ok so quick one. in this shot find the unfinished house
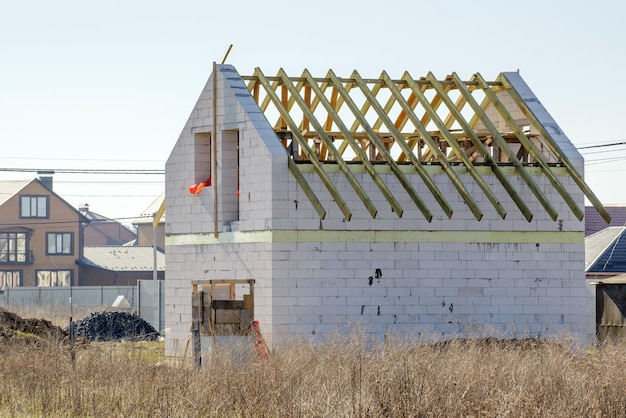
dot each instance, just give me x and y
(404, 206)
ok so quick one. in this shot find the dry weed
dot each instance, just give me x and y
(346, 377)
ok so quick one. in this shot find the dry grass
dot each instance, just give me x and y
(342, 378)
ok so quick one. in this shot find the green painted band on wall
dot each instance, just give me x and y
(496, 237)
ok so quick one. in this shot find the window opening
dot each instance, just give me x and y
(13, 247)
(202, 157)
(34, 207)
(53, 278)
(10, 279)
(59, 243)
(229, 176)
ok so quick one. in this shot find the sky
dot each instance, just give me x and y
(108, 85)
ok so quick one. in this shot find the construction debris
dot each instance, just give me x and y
(114, 326)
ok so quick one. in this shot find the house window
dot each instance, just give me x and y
(202, 157)
(59, 243)
(13, 247)
(10, 279)
(52, 278)
(34, 207)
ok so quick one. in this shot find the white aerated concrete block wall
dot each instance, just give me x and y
(431, 289)
(389, 275)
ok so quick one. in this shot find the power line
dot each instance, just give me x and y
(605, 160)
(611, 144)
(78, 159)
(84, 171)
(604, 151)
(106, 182)
(125, 196)
(49, 223)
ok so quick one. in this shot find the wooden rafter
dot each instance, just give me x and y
(406, 107)
(355, 145)
(329, 144)
(436, 122)
(550, 142)
(445, 206)
(491, 97)
(381, 148)
(458, 150)
(505, 147)
(479, 145)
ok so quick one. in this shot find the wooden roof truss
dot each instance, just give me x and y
(415, 122)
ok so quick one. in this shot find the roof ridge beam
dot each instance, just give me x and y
(370, 80)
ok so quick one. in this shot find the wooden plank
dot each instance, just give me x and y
(454, 178)
(528, 145)
(399, 139)
(551, 143)
(341, 203)
(349, 139)
(455, 145)
(307, 101)
(308, 191)
(333, 101)
(486, 155)
(381, 148)
(371, 208)
(504, 146)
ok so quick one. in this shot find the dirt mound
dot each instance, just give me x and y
(115, 326)
(14, 327)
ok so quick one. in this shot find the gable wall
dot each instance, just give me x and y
(193, 215)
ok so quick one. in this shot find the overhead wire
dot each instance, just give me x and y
(78, 159)
(610, 144)
(85, 171)
(49, 223)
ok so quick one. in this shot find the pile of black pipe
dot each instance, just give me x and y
(114, 326)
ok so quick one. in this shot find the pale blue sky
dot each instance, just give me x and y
(110, 84)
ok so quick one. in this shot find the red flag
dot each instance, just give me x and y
(197, 188)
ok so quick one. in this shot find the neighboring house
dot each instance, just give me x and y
(105, 231)
(120, 265)
(40, 235)
(421, 207)
(606, 252)
(605, 264)
(595, 223)
(145, 227)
